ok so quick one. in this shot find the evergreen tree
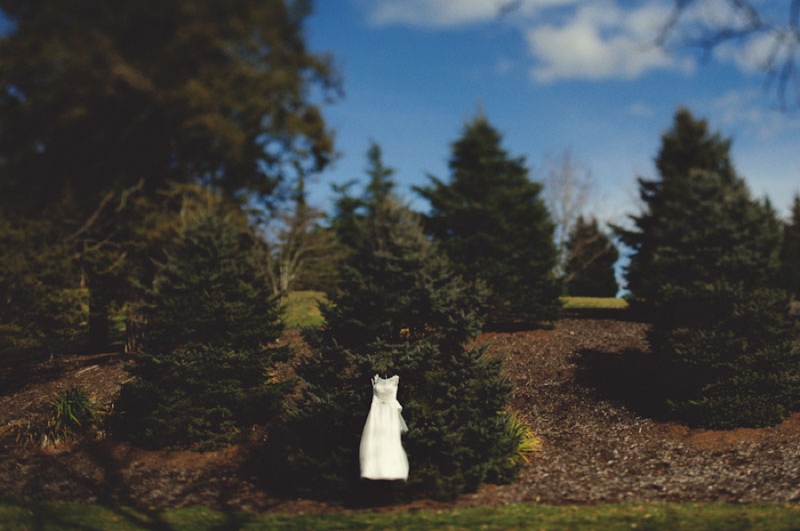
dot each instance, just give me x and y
(590, 261)
(687, 148)
(96, 97)
(399, 309)
(350, 209)
(494, 226)
(705, 263)
(203, 377)
(790, 252)
(41, 300)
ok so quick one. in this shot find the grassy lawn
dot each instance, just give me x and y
(685, 517)
(593, 302)
(302, 309)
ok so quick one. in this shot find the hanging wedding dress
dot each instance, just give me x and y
(381, 453)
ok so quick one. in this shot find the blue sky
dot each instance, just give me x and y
(550, 76)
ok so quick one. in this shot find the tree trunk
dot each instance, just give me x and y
(99, 321)
(102, 290)
(134, 333)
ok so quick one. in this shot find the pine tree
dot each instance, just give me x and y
(590, 261)
(41, 302)
(204, 377)
(687, 148)
(790, 252)
(399, 308)
(705, 264)
(350, 209)
(494, 226)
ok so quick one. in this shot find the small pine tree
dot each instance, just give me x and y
(203, 376)
(705, 265)
(349, 209)
(41, 303)
(790, 252)
(399, 308)
(493, 224)
(590, 261)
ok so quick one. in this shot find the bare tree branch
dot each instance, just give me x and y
(293, 239)
(749, 21)
(568, 189)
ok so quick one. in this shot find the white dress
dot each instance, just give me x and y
(381, 453)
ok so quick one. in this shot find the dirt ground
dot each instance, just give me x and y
(582, 387)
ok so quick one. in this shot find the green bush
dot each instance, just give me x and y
(41, 307)
(399, 309)
(706, 269)
(493, 224)
(203, 377)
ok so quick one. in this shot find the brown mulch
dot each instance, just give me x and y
(582, 387)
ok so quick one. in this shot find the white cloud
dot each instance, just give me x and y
(747, 111)
(431, 13)
(750, 49)
(757, 53)
(446, 13)
(567, 39)
(601, 41)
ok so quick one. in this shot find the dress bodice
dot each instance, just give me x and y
(385, 389)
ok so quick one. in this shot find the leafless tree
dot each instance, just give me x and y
(707, 25)
(294, 239)
(568, 189)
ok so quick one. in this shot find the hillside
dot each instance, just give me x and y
(581, 386)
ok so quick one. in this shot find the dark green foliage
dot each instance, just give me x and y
(686, 149)
(790, 252)
(399, 309)
(350, 209)
(590, 261)
(97, 95)
(42, 306)
(203, 377)
(494, 226)
(705, 266)
(99, 98)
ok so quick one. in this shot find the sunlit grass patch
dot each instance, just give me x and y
(47, 516)
(302, 309)
(573, 303)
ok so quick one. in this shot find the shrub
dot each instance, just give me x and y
(72, 414)
(705, 267)
(493, 224)
(203, 378)
(399, 309)
(40, 307)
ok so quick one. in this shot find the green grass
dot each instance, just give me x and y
(46, 516)
(302, 309)
(572, 303)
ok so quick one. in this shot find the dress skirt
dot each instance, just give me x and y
(381, 451)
